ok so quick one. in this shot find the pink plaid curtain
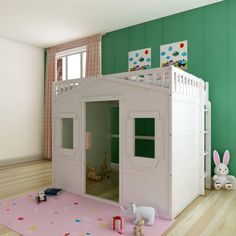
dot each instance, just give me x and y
(93, 56)
(50, 75)
(92, 69)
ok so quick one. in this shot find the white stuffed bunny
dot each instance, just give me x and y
(221, 177)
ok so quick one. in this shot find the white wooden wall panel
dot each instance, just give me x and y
(67, 175)
(147, 189)
(185, 113)
(185, 153)
(185, 187)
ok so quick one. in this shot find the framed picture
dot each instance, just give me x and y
(174, 54)
(140, 59)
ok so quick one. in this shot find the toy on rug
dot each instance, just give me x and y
(53, 191)
(92, 175)
(118, 224)
(221, 177)
(138, 228)
(145, 212)
(41, 197)
(104, 168)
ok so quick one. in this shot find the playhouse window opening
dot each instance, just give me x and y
(71, 64)
(144, 137)
(67, 133)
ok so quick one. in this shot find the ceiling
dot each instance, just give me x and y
(45, 23)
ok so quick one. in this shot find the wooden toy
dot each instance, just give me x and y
(138, 228)
(105, 170)
(92, 175)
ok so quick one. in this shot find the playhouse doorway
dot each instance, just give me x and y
(102, 149)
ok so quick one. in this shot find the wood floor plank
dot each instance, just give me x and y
(213, 214)
(106, 188)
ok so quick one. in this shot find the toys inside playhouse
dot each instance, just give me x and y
(102, 149)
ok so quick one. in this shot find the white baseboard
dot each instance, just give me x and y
(17, 160)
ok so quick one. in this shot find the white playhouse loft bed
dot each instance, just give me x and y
(183, 89)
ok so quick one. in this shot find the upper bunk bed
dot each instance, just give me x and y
(169, 79)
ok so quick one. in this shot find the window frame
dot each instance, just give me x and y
(66, 54)
(145, 162)
(59, 131)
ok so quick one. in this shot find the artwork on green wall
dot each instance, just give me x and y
(140, 59)
(174, 54)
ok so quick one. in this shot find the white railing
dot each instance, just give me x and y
(158, 77)
(62, 87)
(186, 84)
(177, 80)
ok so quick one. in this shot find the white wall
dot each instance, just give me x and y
(21, 100)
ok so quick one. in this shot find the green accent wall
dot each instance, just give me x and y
(211, 35)
(114, 112)
(115, 150)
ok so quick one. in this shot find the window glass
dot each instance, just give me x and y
(73, 66)
(67, 133)
(144, 148)
(145, 126)
(83, 63)
(144, 137)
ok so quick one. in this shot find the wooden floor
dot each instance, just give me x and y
(107, 188)
(212, 214)
(21, 178)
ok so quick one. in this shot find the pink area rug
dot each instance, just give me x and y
(67, 215)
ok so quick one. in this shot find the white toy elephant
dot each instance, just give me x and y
(147, 213)
(221, 177)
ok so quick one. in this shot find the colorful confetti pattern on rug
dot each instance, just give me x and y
(67, 215)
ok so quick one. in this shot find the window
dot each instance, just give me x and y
(67, 133)
(67, 138)
(71, 64)
(144, 137)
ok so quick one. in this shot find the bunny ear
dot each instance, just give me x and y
(216, 158)
(226, 157)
